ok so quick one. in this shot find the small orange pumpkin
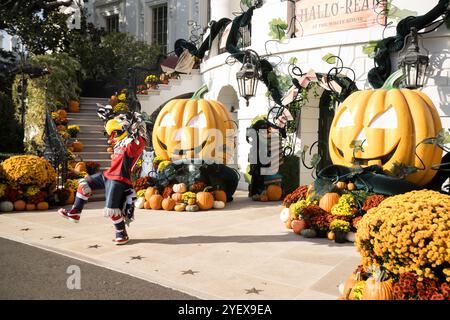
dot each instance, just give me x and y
(20, 205)
(328, 201)
(42, 205)
(156, 201)
(191, 201)
(80, 167)
(113, 100)
(341, 185)
(220, 195)
(150, 191)
(178, 197)
(298, 225)
(274, 192)
(180, 207)
(288, 223)
(378, 290)
(331, 235)
(77, 146)
(147, 205)
(205, 200)
(74, 106)
(62, 113)
(30, 207)
(351, 186)
(168, 204)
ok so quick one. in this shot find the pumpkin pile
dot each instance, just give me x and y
(327, 214)
(178, 198)
(407, 237)
(27, 182)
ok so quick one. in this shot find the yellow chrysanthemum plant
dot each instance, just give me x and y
(29, 170)
(408, 233)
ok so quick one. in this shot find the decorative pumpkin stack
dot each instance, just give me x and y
(178, 198)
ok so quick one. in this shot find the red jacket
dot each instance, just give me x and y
(124, 158)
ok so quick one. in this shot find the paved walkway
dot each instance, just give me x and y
(241, 252)
(32, 273)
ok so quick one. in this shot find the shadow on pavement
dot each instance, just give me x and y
(289, 237)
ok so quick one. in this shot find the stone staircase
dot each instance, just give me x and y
(187, 83)
(91, 135)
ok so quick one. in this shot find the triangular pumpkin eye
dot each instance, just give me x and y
(199, 121)
(385, 120)
(167, 121)
(345, 120)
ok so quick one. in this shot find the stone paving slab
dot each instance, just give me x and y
(240, 252)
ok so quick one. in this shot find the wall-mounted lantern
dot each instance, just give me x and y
(414, 61)
(248, 77)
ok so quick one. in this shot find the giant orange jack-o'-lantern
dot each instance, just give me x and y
(194, 128)
(390, 123)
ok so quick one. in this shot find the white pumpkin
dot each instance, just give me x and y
(284, 215)
(350, 236)
(219, 205)
(6, 206)
(139, 203)
(179, 188)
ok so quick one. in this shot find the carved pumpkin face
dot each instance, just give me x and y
(389, 123)
(190, 128)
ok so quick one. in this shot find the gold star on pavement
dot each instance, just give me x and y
(137, 258)
(190, 271)
(253, 290)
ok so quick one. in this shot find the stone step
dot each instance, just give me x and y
(153, 92)
(89, 155)
(95, 140)
(94, 147)
(93, 99)
(86, 120)
(176, 82)
(86, 112)
(164, 86)
(104, 163)
(91, 127)
(88, 108)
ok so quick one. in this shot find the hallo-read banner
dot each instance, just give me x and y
(322, 16)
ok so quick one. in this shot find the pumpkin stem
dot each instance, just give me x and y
(394, 80)
(207, 188)
(200, 92)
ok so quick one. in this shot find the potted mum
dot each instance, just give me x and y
(151, 81)
(340, 229)
(73, 130)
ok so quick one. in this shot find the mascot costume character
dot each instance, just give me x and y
(128, 132)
